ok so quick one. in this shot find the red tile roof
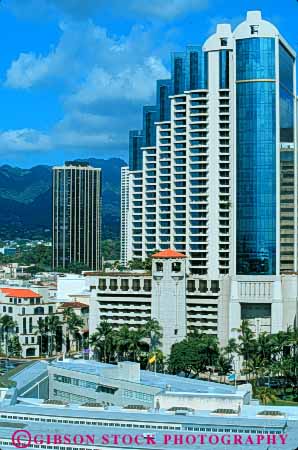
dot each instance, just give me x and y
(19, 293)
(74, 305)
(168, 254)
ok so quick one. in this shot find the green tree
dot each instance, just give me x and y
(223, 365)
(266, 395)
(153, 331)
(231, 348)
(247, 344)
(196, 354)
(111, 249)
(122, 342)
(41, 332)
(7, 326)
(53, 323)
(74, 325)
(14, 347)
(102, 341)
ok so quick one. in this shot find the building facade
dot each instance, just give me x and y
(218, 179)
(181, 303)
(88, 405)
(124, 215)
(77, 195)
(26, 307)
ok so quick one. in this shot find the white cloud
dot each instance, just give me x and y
(24, 139)
(105, 81)
(27, 70)
(133, 84)
(102, 80)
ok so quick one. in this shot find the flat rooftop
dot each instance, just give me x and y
(118, 420)
(172, 383)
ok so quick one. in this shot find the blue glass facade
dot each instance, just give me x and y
(135, 152)
(149, 128)
(178, 73)
(256, 156)
(224, 69)
(196, 70)
(189, 70)
(286, 95)
(163, 100)
(255, 59)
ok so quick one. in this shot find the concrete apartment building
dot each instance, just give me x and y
(213, 173)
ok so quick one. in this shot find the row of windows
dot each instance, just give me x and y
(72, 397)
(75, 382)
(148, 398)
(209, 428)
(75, 421)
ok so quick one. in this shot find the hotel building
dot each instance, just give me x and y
(213, 172)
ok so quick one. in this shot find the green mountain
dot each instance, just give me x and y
(26, 200)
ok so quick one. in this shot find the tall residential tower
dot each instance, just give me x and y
(76, 215)
(213, 172)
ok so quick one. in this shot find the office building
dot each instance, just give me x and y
(77, 197)
(218, 179)
(124, 214)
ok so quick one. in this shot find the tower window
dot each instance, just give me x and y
(159, 267)
(176, 267)
(223, 42)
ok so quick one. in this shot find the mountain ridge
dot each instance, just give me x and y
(26, 199)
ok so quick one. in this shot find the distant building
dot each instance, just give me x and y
(124, 214)
(25, 307)
(77, 194)
(8, 251)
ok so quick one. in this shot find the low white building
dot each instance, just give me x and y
(183, 302)
(25, 307)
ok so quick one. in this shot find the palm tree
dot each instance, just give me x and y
(135, 340)
(40, 332)
(102, 341)
(14, 347)
(266, 396)
(247, 344)
(7, 326)
(53, 324)
(231, 348)
(122, 341)
(152, 330)
(74, 324)
(223, 365)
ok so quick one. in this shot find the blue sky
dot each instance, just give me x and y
(75, 73)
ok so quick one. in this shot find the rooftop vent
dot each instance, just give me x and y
(271, 413)
(226, 412)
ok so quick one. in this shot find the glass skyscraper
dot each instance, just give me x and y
(214, 171)
(76, 216)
